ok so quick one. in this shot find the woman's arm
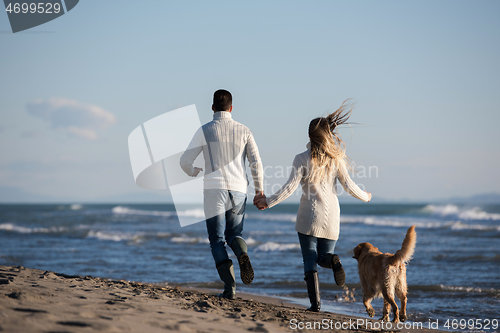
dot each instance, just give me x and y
(350, 186)
(290, 186)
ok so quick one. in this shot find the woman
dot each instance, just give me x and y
(318, 219)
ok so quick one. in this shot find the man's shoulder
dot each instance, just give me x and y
(233, 123)
(240, 125)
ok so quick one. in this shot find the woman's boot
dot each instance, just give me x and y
(333, 261)
(226, 274)
(312, 282)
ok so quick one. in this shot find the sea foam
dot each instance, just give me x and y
(462, 213)
(272, 246)
(25, 230)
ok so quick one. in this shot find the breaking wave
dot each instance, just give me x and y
(273, 217)
(198, 213)
(272, 246)
(455, 289)
(461, 213)
(112, 236)
(26, 230)
(420, 223)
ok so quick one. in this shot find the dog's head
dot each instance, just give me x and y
(363, 248)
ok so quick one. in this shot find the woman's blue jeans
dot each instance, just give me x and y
(313, 249)
(224, 213)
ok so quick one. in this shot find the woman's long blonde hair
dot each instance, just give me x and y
(327, 147)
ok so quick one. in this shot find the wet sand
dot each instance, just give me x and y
(33, 300)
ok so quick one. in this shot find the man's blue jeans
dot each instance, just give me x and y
(224, 213)
(313, 249)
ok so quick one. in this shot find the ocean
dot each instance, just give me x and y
(454, 275)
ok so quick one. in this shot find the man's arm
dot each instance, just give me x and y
(255, 165)
(193, 150)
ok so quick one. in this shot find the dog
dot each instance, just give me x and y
(384, 274)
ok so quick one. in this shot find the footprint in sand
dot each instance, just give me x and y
(6, 278)
(15, 295)
(73, 323)
(29, 310)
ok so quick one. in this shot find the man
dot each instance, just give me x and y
(225, 144)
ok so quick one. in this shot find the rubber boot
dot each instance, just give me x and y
(333, 261)
(240, 250)
(226, 274)
(312, 282)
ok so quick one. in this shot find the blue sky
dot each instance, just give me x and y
(424, 75)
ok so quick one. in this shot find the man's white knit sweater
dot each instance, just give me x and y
(319, 210)
(225, 144)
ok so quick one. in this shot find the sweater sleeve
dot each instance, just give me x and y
(194, 149)
(350, 186)
(255, 162)
(290, 186)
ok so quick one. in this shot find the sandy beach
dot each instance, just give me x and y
(33, 300)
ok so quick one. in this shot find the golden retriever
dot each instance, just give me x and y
(384, 274)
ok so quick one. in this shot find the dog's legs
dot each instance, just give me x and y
(389, 297)
(387, 308)
(401, 291)
(367, 299)
(402, 297)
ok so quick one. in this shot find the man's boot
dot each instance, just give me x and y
(226, 274)
(240, 250)
(333, 261)
(312, 282)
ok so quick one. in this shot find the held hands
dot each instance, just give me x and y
(196, 171)
(260, 200)
(261, 204)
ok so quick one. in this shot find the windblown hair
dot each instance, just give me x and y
(327, 147)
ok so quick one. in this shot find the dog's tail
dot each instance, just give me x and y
(407, 248)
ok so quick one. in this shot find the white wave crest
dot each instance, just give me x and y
(462, 226)
(113, 236)
(192, 213)
(198, 213)
(203, 240)
(394, 221)
(462, 213)
(76, 207)
(469, 289)
(250, 241)
(24, 230)
(271, 247)
(420, 223)
(273, 217)
(129, 211)
(191, 240)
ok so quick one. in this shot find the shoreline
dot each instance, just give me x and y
(33, 300)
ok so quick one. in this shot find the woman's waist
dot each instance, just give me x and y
(319, 199)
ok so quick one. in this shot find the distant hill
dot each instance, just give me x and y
(487, 198)
(15, 195)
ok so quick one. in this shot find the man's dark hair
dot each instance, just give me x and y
(222, 100)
